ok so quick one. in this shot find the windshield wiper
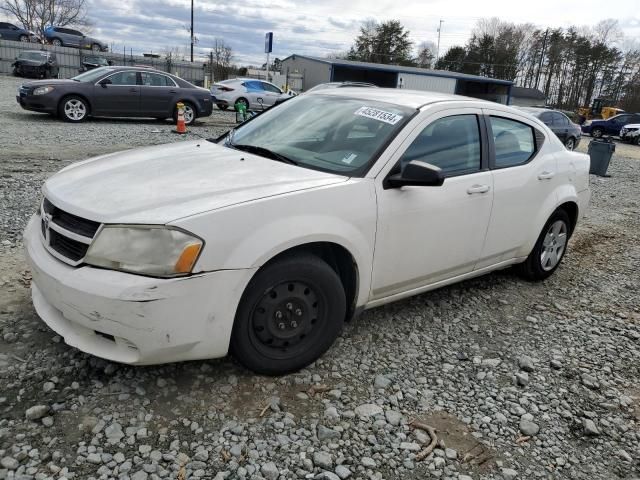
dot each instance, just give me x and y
(263, 152)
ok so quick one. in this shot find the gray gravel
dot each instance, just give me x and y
(520, 380)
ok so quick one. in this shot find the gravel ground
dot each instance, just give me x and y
(519, 380)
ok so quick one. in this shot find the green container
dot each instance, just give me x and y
(241, 112)
(600, 152)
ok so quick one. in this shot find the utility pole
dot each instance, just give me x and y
(439, 30)
(544, 47)
(191, 31)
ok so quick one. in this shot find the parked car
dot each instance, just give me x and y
(568, 132)
(68, 37)
(631, 133)
(116, 92)
(36, 64)
(324, 86)
(611, 126)
(266, 240)
(89, 62)
(249, 92)
(8, 31)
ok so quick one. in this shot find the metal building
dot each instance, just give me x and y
(321, 70)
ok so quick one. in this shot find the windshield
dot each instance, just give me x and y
(37, 56)
(330, 133)
(92, 75)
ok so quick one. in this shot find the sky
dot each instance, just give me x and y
(321, 27)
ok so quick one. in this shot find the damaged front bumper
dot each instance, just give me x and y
(131, 318)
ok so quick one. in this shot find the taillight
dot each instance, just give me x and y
(225, 89)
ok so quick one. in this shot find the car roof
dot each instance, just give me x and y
(402, 97)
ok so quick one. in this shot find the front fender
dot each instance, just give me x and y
(250, 234)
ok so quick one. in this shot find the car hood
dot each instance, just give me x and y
(30, 63)
(156, 185)
(54, 81)
(632, 125)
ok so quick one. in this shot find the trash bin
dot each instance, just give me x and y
(600, 152)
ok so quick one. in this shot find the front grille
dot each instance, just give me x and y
(65, 234)
(72, 249)
(68, 221)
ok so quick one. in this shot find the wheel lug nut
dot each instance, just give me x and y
(281, 326)
(278, 314)
(294, 324)
(289, 306)
(298, 312)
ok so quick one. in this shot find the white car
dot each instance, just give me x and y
(631, 133)
(265, 241)
(252, 93)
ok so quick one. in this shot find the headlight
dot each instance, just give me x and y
(147, 250)
(43, 90)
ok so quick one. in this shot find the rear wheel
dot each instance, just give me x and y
(24, 38)
(223, 107)
(549, 249)
(597, 132)
(570, 144)
(73, 109)
(289, 315)
(56, 42)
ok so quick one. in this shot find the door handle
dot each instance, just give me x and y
(133, 90)
(172, 91)
(478, 189)
(546, 175)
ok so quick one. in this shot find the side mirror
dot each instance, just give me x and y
(110, 62)
(416, 173)
(104, 82)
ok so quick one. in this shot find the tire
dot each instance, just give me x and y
(95, 47)
(17, 72)
(636, 140)
(56, 42)
(289, 315)
(73, 109)
(189, 118)
(556, 230)
(24, 38)
(597, 132)
(223, 107)
(243, 101)
(570, 144)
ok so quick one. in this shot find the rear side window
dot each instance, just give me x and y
(451, 143)
(560, 120)
(514, 142)
(253, 86)
(156, 80)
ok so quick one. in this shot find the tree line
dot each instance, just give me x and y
(571, 66)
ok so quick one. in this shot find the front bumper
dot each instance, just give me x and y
(38, 103)
(130, 318)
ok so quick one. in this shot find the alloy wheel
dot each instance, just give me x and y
(553, 246)
(189, 114)
(571, 144)
(75, 109)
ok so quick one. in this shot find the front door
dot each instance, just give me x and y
(429, 234)
(121, 97)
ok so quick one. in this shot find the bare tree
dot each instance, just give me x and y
(220, 59)
(426, 54)
(36, 15)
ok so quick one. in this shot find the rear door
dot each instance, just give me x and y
(524, 181)
(615, 124)
(560, 126)
(119, 98)
(8, 31)
(157, 94)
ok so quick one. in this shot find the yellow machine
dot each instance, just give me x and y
(600, 108)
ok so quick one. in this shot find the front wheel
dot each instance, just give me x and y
(73, 109)
(289, 315)
(24, 38)
(95, 48)
(56, 42)
(549, 249)
(241, 101)
(223, 107)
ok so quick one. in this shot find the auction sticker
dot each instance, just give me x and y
(380, 115)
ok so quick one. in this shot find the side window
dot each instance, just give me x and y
(254, 86)
(560, 120)
(156, 80)
(622, 119)
(4, 26)
(514, 142)
(451, 143)
(270, 88)
(547, 118)
(123, 78)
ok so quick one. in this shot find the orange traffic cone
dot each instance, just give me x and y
(180, 126)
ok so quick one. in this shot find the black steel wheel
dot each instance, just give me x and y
(289, 315)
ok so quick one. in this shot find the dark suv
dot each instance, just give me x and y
(8, 31)
(116, 92)
(68, 37)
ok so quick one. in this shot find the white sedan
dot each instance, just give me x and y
(265, 241)
(249, 92)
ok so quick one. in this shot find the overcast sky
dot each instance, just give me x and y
(319, 27)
